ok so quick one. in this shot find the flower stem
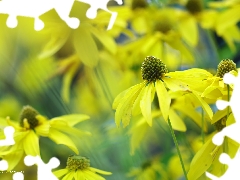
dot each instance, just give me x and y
(178, 151)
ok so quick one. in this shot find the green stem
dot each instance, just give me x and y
(203, 134)
(178, 151)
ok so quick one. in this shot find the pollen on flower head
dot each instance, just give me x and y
(77, 163)
(225, 66)
(28, 114)
(139, 4)
(153, 69)
(194, 6)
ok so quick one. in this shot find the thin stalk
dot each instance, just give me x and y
(202, 133)
(177, 147)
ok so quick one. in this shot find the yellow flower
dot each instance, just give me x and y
(138, 98)
(160, 37)
(78, 168)
(223, 22)
(149, 170)
(31, 126)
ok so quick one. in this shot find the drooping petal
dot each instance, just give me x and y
(145, 103)
(60, 138)
(136, 105)
(85, 46)
(93, 176)
(69, 176)
(31, 144)
(105, 39)
(13, 159)
(80, 175)
(204, 105)
(163, 98)
(126, 104)
(64, 127)
(72, 119)
(68, 78)
(176, 121)
(189, 30)
(61, 172)
(202, 160)
(137, 133)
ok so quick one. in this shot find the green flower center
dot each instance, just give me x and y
(77, 163)
(153, 69)
(139, 4)
(29, 114)
(163, 23)
(194, 6)
(225, 66)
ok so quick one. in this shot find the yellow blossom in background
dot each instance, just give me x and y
(78, 168)
(150, 170)
(33, 125)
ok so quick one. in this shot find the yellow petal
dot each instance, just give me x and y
(190, 112)
(85, 46)
(163, 98)
(145, 103)
(60, 138)
(202, 160)
(72, 119)
(92, 176)
(69, 176)
(219, 115)
(67, 80)
(105, 39)
(80, 175)
(150, 41)
(137, 133)
(64, 127)
(99, 171)
(61, 172)
(127, 103)
(31, 144)
(176, 121)
(136, 106)
(230, 17)
(204, 105)
(58, 36)
(13, 159)
(118, 99)
(189, 30)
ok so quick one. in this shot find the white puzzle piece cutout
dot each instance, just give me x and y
(9, 132)
(232, 131)
(44, 171)
(3, 165)
(36, 8)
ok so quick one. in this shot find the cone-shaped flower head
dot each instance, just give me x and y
(139, 4)
(225, 66)
(28, 117)
(153, 69)
(194, 6)
(77, 163)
